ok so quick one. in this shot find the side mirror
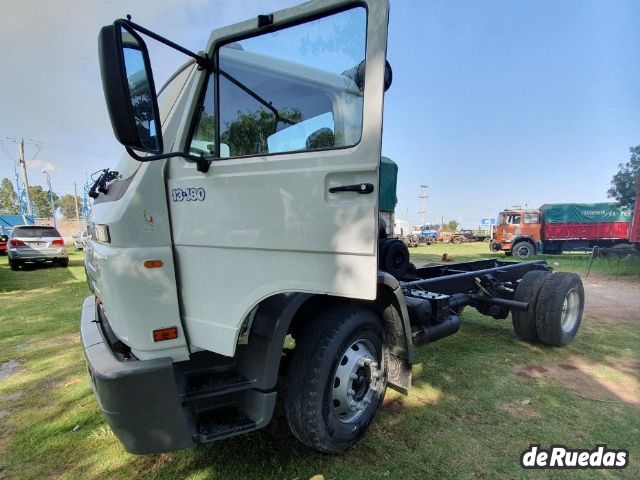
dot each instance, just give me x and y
(129, 90)
(357, 75)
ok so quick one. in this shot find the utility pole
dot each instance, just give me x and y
(53, 208)
(75, 202)
(23, 164)
(423, 205)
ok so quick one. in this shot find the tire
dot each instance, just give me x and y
(395, 258)
(559, 309)
(319, 377)
(456, 240)
(62, 262)
(524, 323)
(14, 265)
(524, 250)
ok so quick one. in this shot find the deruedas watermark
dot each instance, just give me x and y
(559, 456)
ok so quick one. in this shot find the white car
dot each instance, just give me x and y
(79, 240)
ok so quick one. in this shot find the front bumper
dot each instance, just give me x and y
(139, 398)
(495, 246)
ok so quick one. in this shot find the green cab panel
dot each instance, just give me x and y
(388, 184)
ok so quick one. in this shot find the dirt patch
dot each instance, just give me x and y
(611, 300)
(9, 368)
(394, 405)
(612, 380)
(520, 410)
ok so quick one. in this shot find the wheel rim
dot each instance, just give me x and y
(524, 251)
(356, 381)
(570, 310)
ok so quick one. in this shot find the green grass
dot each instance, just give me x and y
(452, 425)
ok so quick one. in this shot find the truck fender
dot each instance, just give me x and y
(523, 238)
(260, 357)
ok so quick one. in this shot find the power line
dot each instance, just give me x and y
(59, 146)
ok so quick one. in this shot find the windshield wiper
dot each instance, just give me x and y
(100, 185)
(256, 97)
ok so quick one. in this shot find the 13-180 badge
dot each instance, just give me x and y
(188, 194)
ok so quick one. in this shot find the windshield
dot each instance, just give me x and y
(513, 218)
(34, 232)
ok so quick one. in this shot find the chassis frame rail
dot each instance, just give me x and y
(461, 277)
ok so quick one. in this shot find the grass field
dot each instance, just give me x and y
(575, 262)
(469, 415)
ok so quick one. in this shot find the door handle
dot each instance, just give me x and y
(361, 188)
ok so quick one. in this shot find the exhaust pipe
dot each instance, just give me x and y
(431, 333)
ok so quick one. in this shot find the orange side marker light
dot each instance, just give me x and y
(153, 263)
(165, 334)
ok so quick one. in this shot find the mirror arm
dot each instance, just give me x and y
(202, 61)
(202, 163)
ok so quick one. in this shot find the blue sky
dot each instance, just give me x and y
(494, 103)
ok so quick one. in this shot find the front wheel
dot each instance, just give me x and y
(337, 378)
(524, 250)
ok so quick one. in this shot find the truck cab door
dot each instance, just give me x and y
(291, 203)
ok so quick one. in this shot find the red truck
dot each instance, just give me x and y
(558, 227)
(634, 234)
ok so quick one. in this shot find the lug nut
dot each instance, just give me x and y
(350, 392)
(374, 364)
(353, 376)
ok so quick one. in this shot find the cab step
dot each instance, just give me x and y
(223, 423)
(220, 383)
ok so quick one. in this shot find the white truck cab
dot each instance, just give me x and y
(245, 211)
(259, 206)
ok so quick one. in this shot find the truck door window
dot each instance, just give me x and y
(514, 219)
(294, 89)
(530, 218)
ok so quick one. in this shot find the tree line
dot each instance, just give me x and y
(623, 189)
(9, 204)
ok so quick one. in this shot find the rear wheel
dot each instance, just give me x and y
(559, 309)
(337, 378)
(63, 262)
(524, 250)
(524, 323)
(14, 264)
(456, 240)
